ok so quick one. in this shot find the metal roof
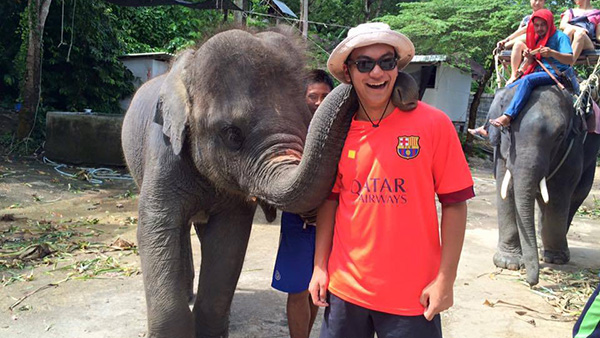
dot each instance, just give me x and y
(284, 8)
(429, 58)
(162, 56)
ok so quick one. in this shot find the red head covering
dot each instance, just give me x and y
(533, 41)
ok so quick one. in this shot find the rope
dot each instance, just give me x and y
(72, 31)
(589, 89)
(291, 23)
(92, 175)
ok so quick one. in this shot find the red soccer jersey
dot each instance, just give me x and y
(386, 244)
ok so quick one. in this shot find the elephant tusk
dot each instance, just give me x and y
(544, 190)
(505, 182)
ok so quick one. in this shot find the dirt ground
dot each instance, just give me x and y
(91, 285)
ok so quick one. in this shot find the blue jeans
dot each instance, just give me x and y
(527, 84)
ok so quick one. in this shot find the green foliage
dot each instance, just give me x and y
(461, 28)
(86, 74)
(11, 32)
(164, 28)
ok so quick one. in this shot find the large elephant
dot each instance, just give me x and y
(224, 130)
(545, 155)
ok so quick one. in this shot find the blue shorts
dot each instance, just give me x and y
(346, 320)
(296, 254)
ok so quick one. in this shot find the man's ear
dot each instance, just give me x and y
(346, 73)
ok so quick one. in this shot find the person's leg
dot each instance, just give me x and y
(394, 326)
(479, 131)
(346, 320)
(516, 57)
(588, 324)
(524, 88)
(299, 314)
(581, 42)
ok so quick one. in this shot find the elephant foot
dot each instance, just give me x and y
(508, 261)
(556, 256)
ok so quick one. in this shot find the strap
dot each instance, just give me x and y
(595, 12)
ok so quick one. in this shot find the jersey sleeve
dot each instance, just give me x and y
(451, 174)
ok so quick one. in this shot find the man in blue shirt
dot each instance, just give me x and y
(553, 48)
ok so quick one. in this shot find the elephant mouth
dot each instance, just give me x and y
(291, 156)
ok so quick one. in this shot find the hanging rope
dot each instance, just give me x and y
(62, 25)
(72, 30)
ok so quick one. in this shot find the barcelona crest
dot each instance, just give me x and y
(408, 147)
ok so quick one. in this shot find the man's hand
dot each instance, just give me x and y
(318, 287)
(437, 297)
(500, 44)
(546, 52)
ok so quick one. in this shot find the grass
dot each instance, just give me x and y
(49, 243)
(592, 212)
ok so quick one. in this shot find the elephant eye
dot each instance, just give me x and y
(232, 137)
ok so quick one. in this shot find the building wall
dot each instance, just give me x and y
(451, 92)
(143, 69)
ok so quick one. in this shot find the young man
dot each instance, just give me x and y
(294, 264)
(378, 249)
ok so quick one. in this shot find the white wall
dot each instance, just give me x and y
(451, 92)
(143, 69)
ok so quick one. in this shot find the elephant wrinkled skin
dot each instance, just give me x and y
(528, 168)
(224, 130)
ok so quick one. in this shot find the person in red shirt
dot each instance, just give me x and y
(379, 263)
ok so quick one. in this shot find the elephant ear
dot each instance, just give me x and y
(405, 94)
(174, 106)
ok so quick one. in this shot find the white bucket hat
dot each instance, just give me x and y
(367, 34)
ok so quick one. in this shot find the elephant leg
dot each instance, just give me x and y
(590, 152)
(553, 230)
(508, 255)
(224, 240)
(165, 267)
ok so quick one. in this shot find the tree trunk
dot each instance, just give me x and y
(475, 104)
(38, 12)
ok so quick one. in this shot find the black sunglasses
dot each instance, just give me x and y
(366, 65)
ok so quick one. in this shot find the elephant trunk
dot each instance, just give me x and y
(303, 187)
(526, 188)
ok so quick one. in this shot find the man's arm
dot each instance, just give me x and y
(324, 237)
(564, 58)
(439, 295)
(510, 40)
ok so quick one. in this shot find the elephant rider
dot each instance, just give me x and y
(581, 26)
(550, 46)
(382, 263)
(516, 40)
(294, 264)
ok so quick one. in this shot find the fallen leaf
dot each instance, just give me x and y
(120, 243)
(7, 218)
